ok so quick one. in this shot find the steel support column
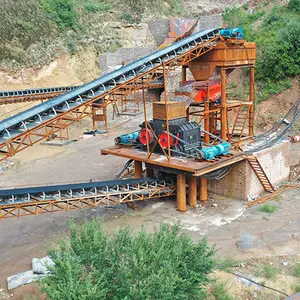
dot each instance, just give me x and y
(223, 105)
(183, 74)
(203, 189)
(181, 192)
(138, 170)
(251, 99)
(206, 116)
(192, 191)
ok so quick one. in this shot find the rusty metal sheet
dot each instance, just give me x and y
(180, 28)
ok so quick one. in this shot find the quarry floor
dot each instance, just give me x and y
(242, 234)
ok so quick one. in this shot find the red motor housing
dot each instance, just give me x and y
(144, 135)
(163, 140)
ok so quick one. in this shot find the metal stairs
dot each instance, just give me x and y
(240, 124)
(260, 173)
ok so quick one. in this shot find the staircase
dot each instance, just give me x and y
(260, 173)
(240, 124)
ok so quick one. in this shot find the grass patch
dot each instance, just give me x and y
(227, 263)
(267, 208)
(296, 271)
(219, 291)
(296, 288)
(267, 271)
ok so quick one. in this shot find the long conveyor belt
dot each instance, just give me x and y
(36, 200)
(35, 94)
(28, 127)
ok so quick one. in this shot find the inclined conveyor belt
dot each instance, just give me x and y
(67, 191)
(33, 117)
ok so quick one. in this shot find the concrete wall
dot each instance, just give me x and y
(242, 181)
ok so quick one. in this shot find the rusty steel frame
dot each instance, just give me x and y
(50, 206)
(270, 197)
(65, 119)
(29, 98)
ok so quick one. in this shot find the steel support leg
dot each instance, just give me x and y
(138, 170)
(192, 191)
(181, 192)
(203, 189)
(223, 106)
(183, 74)
(252, 99)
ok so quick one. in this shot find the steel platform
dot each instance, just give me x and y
(190, 165)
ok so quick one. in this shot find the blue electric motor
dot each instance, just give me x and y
(211, 152)
(127, 138)
(232, 33)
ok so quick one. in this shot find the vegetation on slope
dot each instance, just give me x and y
(276, 34)
(93, 264)
(33, 32)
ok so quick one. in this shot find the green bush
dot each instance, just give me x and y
(125, 265)
(294, 5)
(62, 12)
(278, 45)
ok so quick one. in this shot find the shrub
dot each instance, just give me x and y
(294, 5)
(125, 265)
(62, 12)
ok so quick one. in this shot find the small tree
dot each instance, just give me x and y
(125, 265)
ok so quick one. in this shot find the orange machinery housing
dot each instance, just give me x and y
(214, 91)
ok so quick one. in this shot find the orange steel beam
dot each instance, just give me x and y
(192, 191)
(223, 105)
(29, 98)
(49, 206)
(251, 99)
(181, 192)
(71, 116)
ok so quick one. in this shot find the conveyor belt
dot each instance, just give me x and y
(36, 94)
(38, 91)
(12, 129)
(42, 199)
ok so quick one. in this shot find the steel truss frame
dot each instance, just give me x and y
(142, 193)
(64, 119)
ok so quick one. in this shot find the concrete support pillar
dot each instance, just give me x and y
(138, 170)
(183, 74)
(181, 192)
(251, 99)
(223, 105)
(192, 191)
(203, 195)
(150, 172)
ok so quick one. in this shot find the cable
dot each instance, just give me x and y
(257, 283)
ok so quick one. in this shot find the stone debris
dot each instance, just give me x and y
(39, 270)
(21, 279)
(40, 266)
(186, 88)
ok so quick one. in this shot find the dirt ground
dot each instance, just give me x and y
(243, 234)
